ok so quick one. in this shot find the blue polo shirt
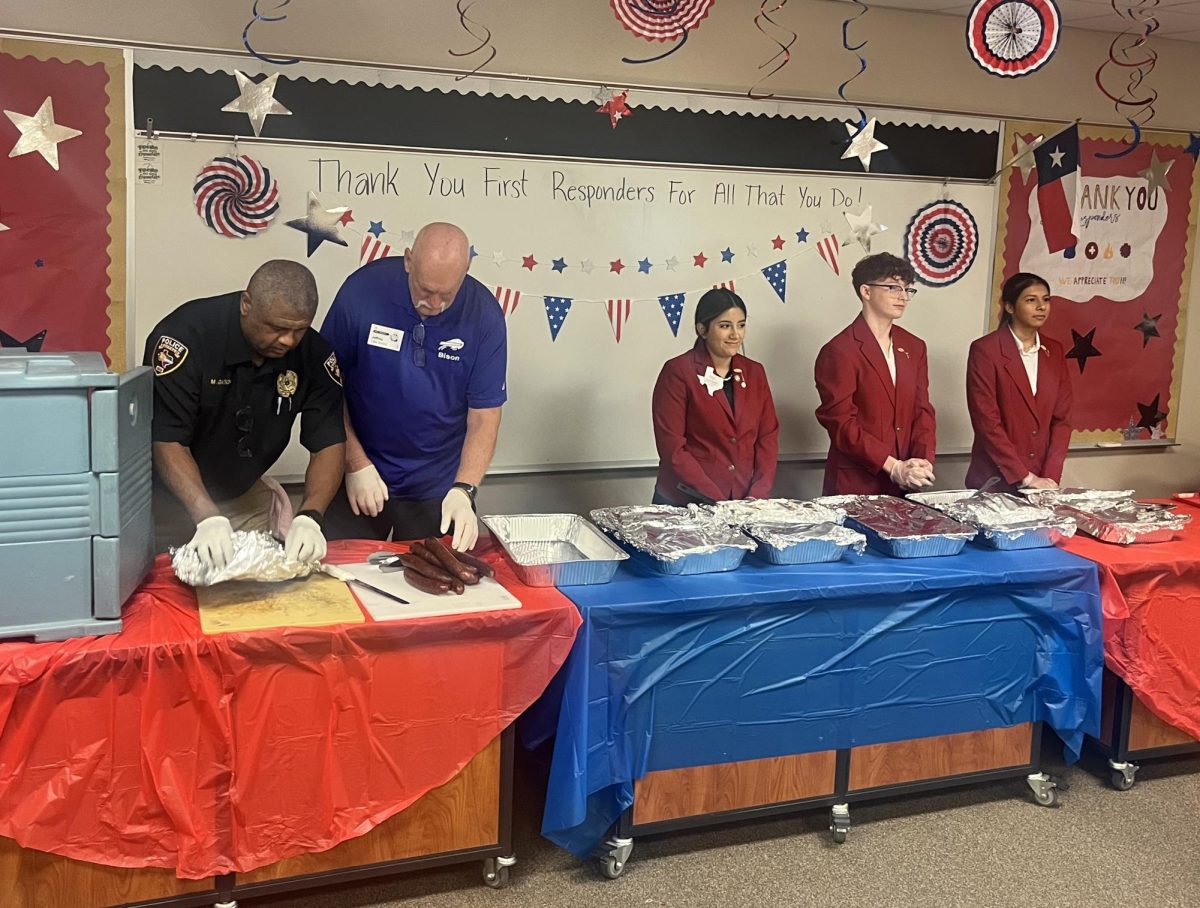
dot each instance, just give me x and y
(408, 396)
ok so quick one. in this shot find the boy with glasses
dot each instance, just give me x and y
(873, 379)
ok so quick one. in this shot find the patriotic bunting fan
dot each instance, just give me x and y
(236, 196)
(660, 20)
(1013, 37)
(941, 242)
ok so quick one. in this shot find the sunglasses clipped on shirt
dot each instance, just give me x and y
(418, 338)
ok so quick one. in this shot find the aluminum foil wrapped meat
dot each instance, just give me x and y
(1123, 521)
(901, 528)
(674, 540)
(789, 531)
(1004, 521)
(257, 556)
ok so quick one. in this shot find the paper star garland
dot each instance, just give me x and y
(40, 133)
(862, 228)
(586, 266)
(672, 263)
(406, 237)
(256, 100)
(320, 224)
(616, 266)
(1149, 327)
(801, 235)
(616, 108)
(777, 243)
(1082, 349)
(863, 143)
(699, 259)
(559, 265)
(1151, 415)
(376, 229)
(1155, 175)
(644, 266)
(498, 259)
(727, 255)
(528, 261)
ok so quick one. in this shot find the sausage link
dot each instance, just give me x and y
(425, 569)
(484, 569)
(448, 559)
(425, 584)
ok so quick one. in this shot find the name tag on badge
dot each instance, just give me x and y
(385, 337)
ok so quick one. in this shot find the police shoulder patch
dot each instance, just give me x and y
(331, 366)
(169, 355)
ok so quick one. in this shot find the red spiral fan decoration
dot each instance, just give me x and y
(236, 196)
(660, 20)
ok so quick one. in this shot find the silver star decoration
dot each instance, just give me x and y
(1023, 159)
(256, 100)
(863, 143)
(497, 258)
(1156, 174)
(752, 251)
(862, 228)
(1159, 431)
(672, 263)
(320, 224)
(40, 133)
(586, 266)
(1132, 431)
(407, 237)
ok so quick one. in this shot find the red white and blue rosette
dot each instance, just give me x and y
(236, 196)
(1013, 38)
(941, 241)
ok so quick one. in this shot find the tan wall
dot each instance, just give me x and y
(916, 60)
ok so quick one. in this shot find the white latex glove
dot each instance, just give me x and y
(366, 491)
(213, 542)
(457, 510)
(914, 473)
(305, 541)
(1038, 482)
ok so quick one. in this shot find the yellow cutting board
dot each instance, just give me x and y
(242, 605)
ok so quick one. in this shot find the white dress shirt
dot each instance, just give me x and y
(1029, 358)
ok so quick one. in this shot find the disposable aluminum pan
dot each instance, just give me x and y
(903, 529)
(673, 540)
(1126, 523)
(814, 544)
(555, 549)
(1004, 521)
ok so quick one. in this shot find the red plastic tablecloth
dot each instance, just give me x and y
(1151, 600)
(161, 747)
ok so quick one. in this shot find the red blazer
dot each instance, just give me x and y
(1017, 432)
(720, 452)
(867, 417)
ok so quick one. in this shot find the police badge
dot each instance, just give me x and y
(286, 384)
(169, 355)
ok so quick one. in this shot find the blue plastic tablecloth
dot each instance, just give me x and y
(668, 672)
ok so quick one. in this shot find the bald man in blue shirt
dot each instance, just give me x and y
(423, 351)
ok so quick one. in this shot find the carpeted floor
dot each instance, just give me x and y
(986, 846)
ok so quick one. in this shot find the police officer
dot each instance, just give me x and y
(423, 349)
(232, 373)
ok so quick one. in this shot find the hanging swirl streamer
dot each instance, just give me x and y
(1131, 51)
(660, 20)
(485, 39)
(862, 61)
(783, 55)
(259, 17)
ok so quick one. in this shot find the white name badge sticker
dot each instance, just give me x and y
(383, 336)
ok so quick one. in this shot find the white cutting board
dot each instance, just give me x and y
(487, 596)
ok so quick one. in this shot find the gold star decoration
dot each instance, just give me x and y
(862, 228)
(256, 100)
(40, 133)
(1156, 174)
(863, 143)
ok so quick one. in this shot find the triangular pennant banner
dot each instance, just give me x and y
(776, 276)
(672, 307)
(372, 248)
(557, 308)
(618, 315)
(828, 248)
(508, 300)
(725, 285)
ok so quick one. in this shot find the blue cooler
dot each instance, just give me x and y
(76, 526)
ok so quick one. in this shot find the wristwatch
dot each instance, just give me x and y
(317, 517)
(468, 488)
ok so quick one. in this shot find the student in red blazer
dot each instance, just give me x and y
(1019, 394)
(873, 379)
(714, 419)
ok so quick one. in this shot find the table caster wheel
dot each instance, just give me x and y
(839, 822)
(495, 871)
(1122, 775)
(1044, 788)
(612, 867)
(1047, 798)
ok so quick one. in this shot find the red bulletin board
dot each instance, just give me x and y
(1123, 288)
(62, 256)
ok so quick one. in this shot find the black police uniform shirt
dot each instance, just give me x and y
(234, 416)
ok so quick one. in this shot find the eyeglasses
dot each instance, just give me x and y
(244, 420)
(896, 289)
(418, 336)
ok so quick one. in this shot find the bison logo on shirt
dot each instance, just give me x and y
(455, 343)
(169, 355)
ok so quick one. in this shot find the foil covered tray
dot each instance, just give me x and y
(674, 540)
(1122, 521)
(1004, 521)
(901, 528)
(789, 531)
(555, 549)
